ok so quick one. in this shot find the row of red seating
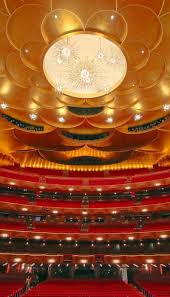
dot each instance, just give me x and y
(10, 285)
(156, 288)
(77, 204)
(85, 288)
(41, 227)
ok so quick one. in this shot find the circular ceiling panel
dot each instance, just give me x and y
(85, 65)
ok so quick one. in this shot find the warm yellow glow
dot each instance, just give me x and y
(37, 237)
(116, 261)
(24, 209)
(51, 261)
(114, 211)
(4, 235)
(71, 189)
(12, 183)
(99, 238)
(99, 189)
(163, 236)
(149, 261)
(131, 237)
(5, 88)
(69, 238)
(17, 260)
(77, 65)
(84, 212)
(83, 261)
(128, 188)
(144, 210)
(55, 211)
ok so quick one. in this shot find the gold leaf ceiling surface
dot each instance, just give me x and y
(128, 127)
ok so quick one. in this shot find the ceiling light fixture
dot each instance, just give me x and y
(149, 261)
(42, 187)
(163, 236)
(128, 188)
(33, 116)
(37, 237)
(51, 261)
(84, 212)
(55, 211)
(4, 235)
(71, 189)
(61, 119)
(99, 238)
(17, 260)
(116, 261)
(131, 237)
(79, 76)
(99, 189)
(166, 107)
(83, 261)
(109, 120)
(3, 105)
(69, 238)
(137, 117)
(24, 209)
(112, 17)
(144, 210)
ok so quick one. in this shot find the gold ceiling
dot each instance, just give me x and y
(128, 127)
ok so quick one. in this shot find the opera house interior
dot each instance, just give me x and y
(85, 148)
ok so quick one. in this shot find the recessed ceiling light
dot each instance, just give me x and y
(71, 189)
(114, 211)
(112, 17)
(84, 212)
(137, 117)
(37, 237)
(33, 116)
(12, 183)
(61, 119)
(99, 189)
(166, 107)
(56, 16)
(24, 209)
(99, 238)
(149, 261)
(4, 235)
(51, 261)
(163, 236)
(157, 184)
(128, 188)
(131, 237)
(69, 238)
(17, 260)
(83, 261)
(109, 120)
(41, 187)
(116, 261)
(144, 210)
(55, 211)
(4, 105)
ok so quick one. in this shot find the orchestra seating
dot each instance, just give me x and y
(156, 288)
(11, 284)
(83, 288)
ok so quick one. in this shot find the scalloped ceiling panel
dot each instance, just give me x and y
(85, 84)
